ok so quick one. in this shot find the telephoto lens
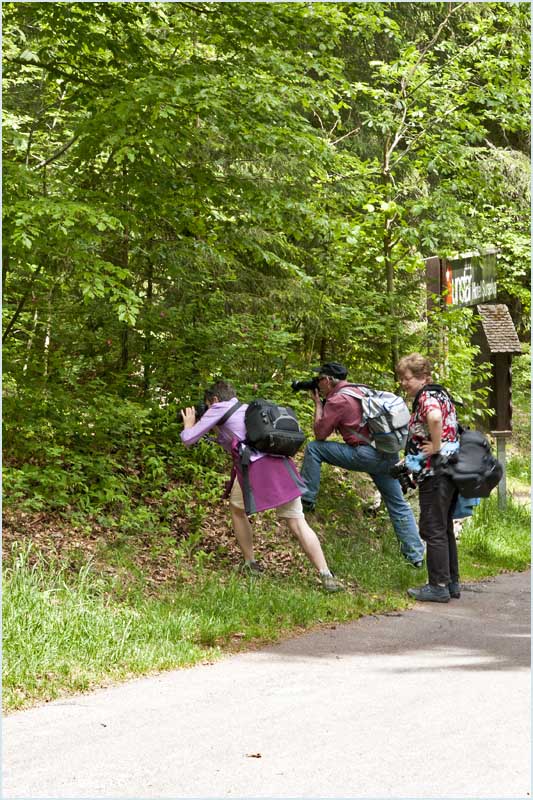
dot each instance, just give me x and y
(305, 386)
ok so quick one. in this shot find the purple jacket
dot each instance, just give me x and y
(273, 480)
(234, 428)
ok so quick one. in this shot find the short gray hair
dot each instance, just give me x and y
(417, 364)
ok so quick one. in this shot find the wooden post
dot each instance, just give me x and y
(501, 438)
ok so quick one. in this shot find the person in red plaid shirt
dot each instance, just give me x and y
(433, 432)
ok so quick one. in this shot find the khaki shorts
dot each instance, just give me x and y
(292, 510)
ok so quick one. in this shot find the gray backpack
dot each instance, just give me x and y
(386, 415)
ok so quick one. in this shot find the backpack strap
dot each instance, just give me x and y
(435, 387)
(356, 386)
(297, 480)
(345, 391)
(229, 412)
(247, 492)
(224, 419)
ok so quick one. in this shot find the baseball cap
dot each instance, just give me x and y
(332, 368)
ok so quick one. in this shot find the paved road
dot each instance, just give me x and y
(431, 703)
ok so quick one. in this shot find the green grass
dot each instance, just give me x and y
(66, 633)
(61, 633)
(519, 466)
(492, 540)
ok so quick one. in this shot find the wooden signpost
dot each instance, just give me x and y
(470, 280)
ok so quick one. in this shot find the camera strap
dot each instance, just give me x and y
(224, 419)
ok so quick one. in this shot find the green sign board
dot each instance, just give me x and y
(469, 279)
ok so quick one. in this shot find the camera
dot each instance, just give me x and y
(200, 409)
(305, 386)
(403, 476)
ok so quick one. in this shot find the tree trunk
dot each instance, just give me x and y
(124, 336)
(21, 304)
(389, 269)
(31, 338)
(147, 366)
(47, 337)
(124, 347)
(5, 268)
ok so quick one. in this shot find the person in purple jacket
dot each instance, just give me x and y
(274, 480)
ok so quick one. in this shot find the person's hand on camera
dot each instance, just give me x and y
(188, 416)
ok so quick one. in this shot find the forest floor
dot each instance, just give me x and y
(153, 559)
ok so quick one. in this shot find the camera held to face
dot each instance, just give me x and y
(305, 386)
(200, 409)
(403, 475)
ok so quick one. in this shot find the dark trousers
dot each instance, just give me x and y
(437, 494)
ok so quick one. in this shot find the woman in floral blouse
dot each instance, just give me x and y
(433, 433)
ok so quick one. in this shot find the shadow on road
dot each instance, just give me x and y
(487, 629)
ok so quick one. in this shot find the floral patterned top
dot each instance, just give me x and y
(427, 400)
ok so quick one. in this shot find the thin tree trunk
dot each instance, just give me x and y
(31, 339)
(124, 337)
(20, 307)
(147, 332)
(323, 344)
(48, 333)
(124, 347)
(5, 268)
(389, 268)
(388, 182)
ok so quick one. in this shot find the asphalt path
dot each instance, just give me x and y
(430, 703)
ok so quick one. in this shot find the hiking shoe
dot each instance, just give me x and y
(330, 583)
(254, 569)
(454, 587)
(429, 593)
(308, 506)
(415, 564)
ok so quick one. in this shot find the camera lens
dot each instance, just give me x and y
(305, 386)
(200, 409)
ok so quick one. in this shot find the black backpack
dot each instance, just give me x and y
(270, 428)
(473, 469)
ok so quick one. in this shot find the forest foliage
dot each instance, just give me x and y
(203, 189)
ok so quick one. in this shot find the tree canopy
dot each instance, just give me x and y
(196, 189)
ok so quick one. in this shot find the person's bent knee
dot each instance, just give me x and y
(313, 446)
(292, 522)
